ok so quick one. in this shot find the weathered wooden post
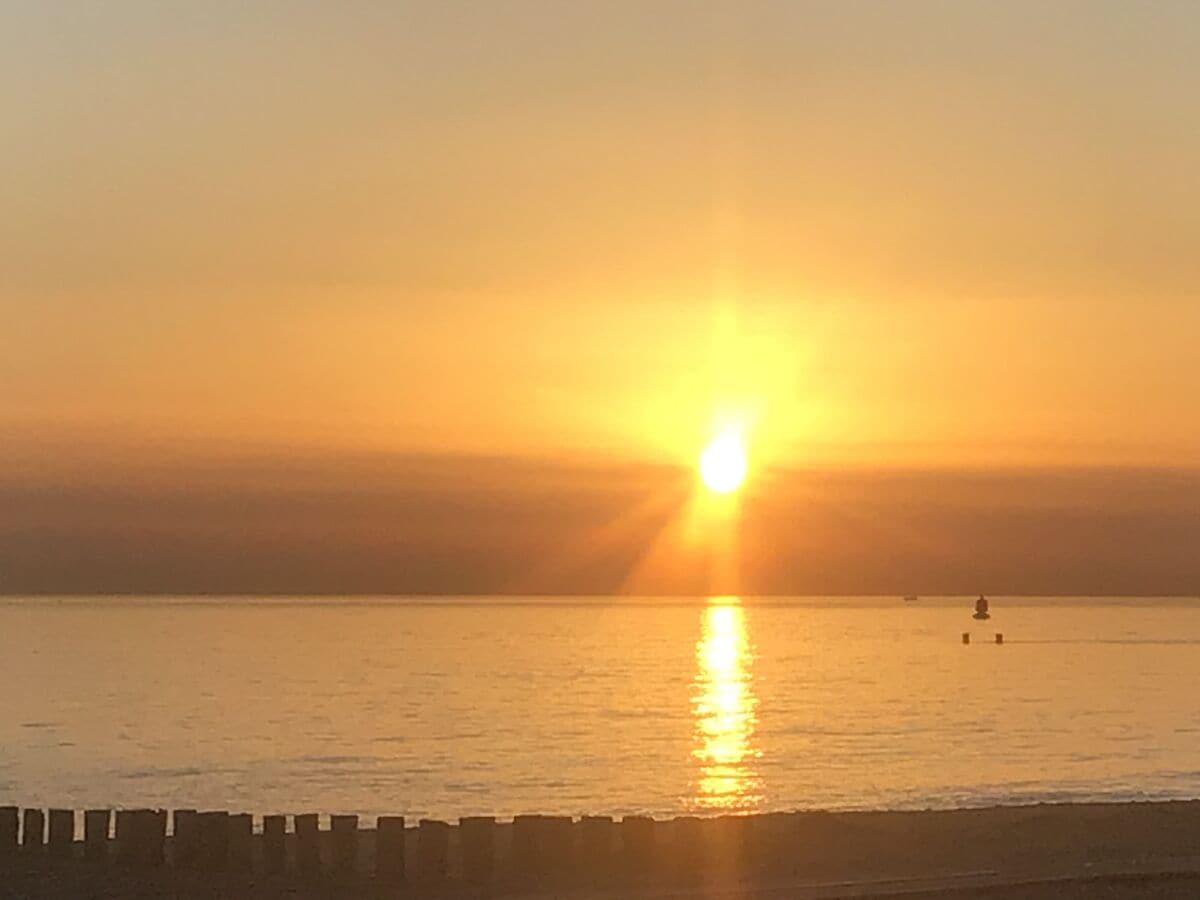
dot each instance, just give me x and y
(638, 845)
(131, 840)
(141, 836)
(241, 841)
(213, 840)
(596, 839)
(96, 824)
(558, 847)
(526, 852)
(33, 831)
(389, 848)
(185, 837)
(10, 820)
(62, 831)
(308, 844)
(274, 854)
(345, 843)
(156, 828)
(433, 847)
(477, 838)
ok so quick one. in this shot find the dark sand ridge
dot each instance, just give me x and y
(1052, 851)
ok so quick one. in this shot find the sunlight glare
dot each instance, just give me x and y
(723, 463)
(724, 707)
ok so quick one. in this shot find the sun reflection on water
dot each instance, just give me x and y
(723, 704)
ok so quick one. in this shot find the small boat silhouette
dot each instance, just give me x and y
(911, 598)
(981, 609)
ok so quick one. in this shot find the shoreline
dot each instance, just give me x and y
(951, 853)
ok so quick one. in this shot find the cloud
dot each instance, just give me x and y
(444, 525)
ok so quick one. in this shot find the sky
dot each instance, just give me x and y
(525, 243)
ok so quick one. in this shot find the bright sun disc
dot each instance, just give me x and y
(723, 464)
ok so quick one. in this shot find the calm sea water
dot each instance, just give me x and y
(456, 707)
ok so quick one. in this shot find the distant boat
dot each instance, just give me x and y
(981, 608)
(911, 598)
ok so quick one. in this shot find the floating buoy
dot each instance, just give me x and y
(999, 638)
(966, 637)
(981, 608)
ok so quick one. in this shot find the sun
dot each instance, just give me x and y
(723, 463)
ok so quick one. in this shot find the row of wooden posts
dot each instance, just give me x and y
(538, 846)
(220, 840)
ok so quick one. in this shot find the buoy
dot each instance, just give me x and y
(966, 637)
(999, 638)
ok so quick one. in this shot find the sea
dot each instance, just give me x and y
(455, 706)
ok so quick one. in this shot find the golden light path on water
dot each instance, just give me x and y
(724, 706)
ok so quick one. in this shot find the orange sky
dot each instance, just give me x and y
(936, 233)
(876, 238)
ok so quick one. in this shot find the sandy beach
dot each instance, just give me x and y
(1044, 851)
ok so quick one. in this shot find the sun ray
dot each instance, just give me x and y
(661, 507)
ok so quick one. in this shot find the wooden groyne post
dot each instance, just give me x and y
(477, 838)
(308, 843)
(124, 831)
(185, 833)
(212, 840)
(96, 825)
(433, 849)
(597, 839)
(33, 830)
(141, 837)
(558, 847)
(61, 835)
(389, 848)
(638, 845)
(241, 837)
(10, 820)
(156, 831)
(274, 852)
(345, 843)
(525, 857)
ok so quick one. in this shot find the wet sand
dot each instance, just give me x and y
(1045, 851)
(1164, 886)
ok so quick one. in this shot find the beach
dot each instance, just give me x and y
(1051, 851)
(805, 748)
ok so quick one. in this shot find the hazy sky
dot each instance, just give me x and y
(444, 525)
(879, 234)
